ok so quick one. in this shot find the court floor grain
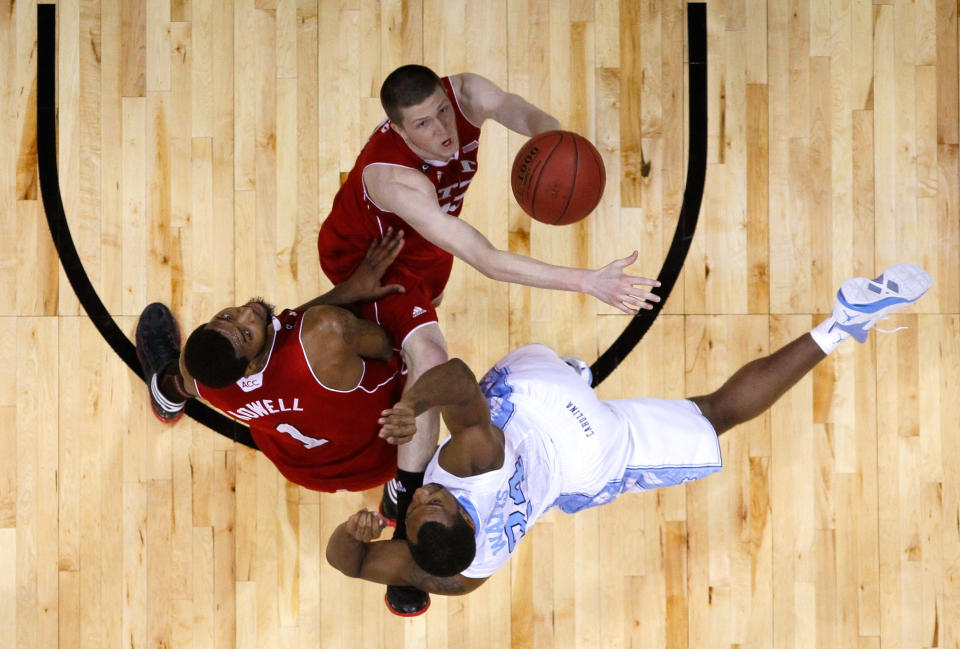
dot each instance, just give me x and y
(200, 145)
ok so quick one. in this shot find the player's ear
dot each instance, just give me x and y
(397, 129)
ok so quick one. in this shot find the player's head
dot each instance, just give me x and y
(220, 352)
(440, 532)
(420, 111)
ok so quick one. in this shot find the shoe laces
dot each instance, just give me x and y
(886, 331)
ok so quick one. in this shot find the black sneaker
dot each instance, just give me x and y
(388, 502)
(158, 343)
(406, 601)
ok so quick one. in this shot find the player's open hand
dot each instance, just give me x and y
(614, 287)
(398, 425)
(365, 525)
(364, 285)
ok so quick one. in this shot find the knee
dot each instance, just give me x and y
(425, 348)
(717, 416)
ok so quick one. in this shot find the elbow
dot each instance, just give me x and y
(463, 372)
(350, 569)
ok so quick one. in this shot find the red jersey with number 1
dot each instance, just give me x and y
(355, 220)
(318, 437)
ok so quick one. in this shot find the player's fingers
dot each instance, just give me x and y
(396, 411)
(394, 428)
(398, 435)
(382, 252)
(626, 261)
(393, 246)
(355, 523)
(623, 307)
(390, 289)
(643, 281)
(376, 245)
(398, 429)
(644, 295)
(372, 524)
(397, 420)
(636, 302)
(399, 440)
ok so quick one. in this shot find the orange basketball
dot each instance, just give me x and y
(558, 177)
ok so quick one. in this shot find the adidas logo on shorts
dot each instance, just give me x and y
(418, 311)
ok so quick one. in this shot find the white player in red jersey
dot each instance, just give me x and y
(412, 175)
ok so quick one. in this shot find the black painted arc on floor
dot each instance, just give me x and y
(197, 410)
(59, 230)
(692, 197)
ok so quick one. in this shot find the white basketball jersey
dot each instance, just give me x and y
(564, 447)
(504, 503)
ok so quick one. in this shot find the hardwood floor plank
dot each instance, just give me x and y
(200, 145)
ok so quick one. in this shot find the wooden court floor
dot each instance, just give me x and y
(200, 145)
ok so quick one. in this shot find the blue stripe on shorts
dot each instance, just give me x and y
(635, 479)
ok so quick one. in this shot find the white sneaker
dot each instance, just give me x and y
(862, 302)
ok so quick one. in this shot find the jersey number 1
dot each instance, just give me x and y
(308, 442)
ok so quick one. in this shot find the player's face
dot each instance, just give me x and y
(432, 503)
(430, 127)
(245, 326)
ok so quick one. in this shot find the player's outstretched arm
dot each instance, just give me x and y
(364, 284)
(354, 551)
(410, 195)
(482, 99)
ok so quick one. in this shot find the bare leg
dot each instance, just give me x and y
(759, 383)
(423, 349)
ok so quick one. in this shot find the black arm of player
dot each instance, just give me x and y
(353, 551)
(364, 284)
(453, 388)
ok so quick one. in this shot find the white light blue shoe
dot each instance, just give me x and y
(580, 367)
(862, 302)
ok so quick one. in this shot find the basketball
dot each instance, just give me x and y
(558, 177)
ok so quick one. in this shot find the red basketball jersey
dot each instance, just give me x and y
(354, 220)
(320, 438)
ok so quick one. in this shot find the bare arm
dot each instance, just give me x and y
(410, 195)
(476, 445)
(330, 332)
(481, 99)
(352, 552)
(364, 284)
(450, 386)
(365, 338)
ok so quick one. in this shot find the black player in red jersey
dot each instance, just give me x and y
(310, 382)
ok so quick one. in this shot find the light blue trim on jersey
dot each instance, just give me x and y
(497, 391)
(470, 509)
(635, 479)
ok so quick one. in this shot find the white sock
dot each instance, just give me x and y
(825, 337)
(172, 406)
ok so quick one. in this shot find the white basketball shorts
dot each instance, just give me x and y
(605, 448)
